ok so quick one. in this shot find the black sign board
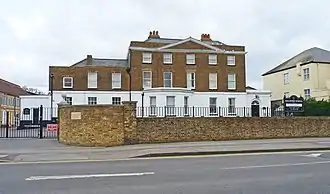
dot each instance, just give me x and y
(293, 104)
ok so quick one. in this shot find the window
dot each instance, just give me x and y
(147, 79)
(286, 78)
(307, 93)
(213, 105)
(92, 80)
(231, 81)
(26, 111)
(92, 100)
(67, 82)
(213, 77)
(306, 74)
(190, 59)
(167, 58)
(68, 100)
(185, 104)
(167, 79)
(286, 94)
(230, 60)
(191, 80)
(152, 105)
(147, 58)
(116, 100)
(231, 106)
(170, 105)
(213, 59)
(116, 80)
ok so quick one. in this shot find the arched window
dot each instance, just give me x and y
(26, 111)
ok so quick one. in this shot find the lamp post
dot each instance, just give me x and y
(128, 70)
(142, 101)
(51, 95)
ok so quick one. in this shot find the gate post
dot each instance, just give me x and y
(7, 124)
(41, 122)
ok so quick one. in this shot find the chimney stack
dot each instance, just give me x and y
(89, 59)
(153, 34)
(205, 37)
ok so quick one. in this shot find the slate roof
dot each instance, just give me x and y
(312, 55)
(103, 62)
(11, 88)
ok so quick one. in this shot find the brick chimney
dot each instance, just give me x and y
(89, 59)
(153, 34)
(205, 37)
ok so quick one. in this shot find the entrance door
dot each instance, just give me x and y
(255, 109)
(35, 116)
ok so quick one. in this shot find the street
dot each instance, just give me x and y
(248, 173)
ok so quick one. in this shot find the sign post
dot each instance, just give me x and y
(293, 104)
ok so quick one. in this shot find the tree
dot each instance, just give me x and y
(33, 90)
(313, 107)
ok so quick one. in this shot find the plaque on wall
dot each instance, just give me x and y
(75, 115)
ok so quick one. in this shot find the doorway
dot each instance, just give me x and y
(255, 109)
(35, 116)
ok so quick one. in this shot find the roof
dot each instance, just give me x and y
(173, 40)
(103, 62)
(312, 55)
(250, 88)
(11, 88)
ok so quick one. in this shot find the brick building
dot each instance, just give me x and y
(10, 101)
(162, 72)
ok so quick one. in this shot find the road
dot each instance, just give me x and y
(249, 174)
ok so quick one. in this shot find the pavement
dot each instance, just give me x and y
(278, 173)
(45, 150)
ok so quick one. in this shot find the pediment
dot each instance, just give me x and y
(191, 44)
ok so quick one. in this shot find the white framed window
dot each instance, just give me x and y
(231, 106)
(191, 80)
(167, 58)
(152, 105)
(307, 93)
(167, 79)
(68, 100)
(185, 104)
(306, 74)
(116, 100)
(116, 80)
(146, 57)
(190, 59)
(67, 82)
(213, 105)
(231, 81)
(147, 79)
(170, 105)
(230, 60)
(92, 100)
(92, 80)
(213, 81)
(213, 59)
(286, 78)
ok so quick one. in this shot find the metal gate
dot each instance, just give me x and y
(35, 122)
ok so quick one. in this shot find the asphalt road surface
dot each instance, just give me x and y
(249, 174)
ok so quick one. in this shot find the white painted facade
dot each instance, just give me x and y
(199, 100)
(35, 101)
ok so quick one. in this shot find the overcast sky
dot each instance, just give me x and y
(35, 34)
